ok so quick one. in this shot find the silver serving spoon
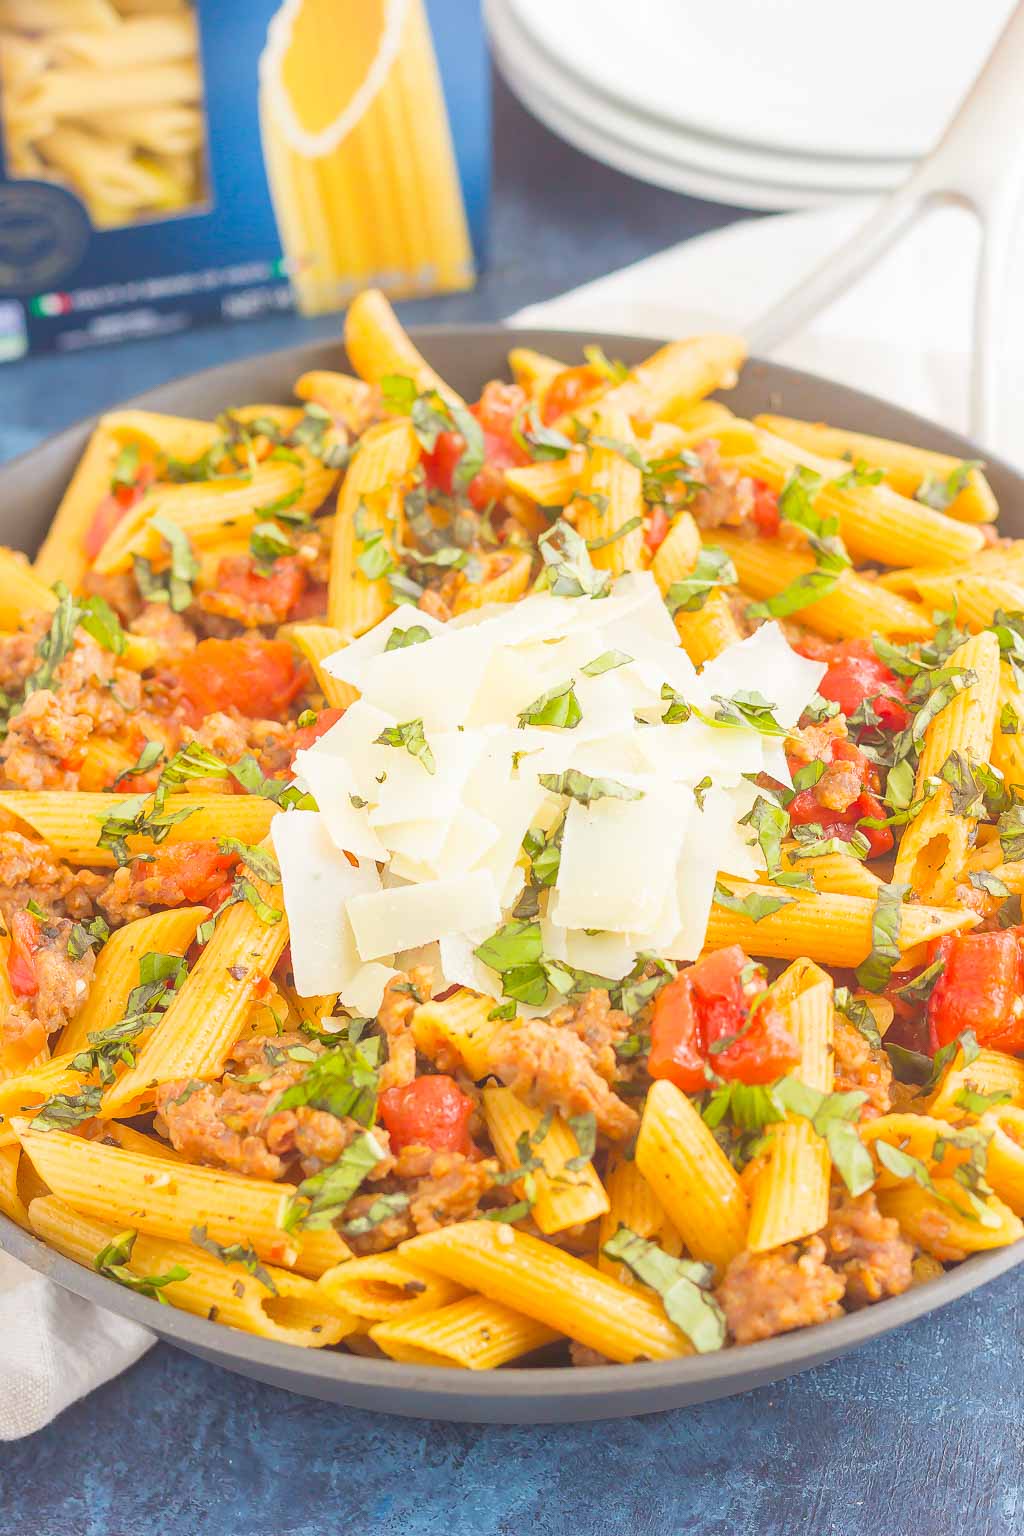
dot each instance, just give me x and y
(977, 164)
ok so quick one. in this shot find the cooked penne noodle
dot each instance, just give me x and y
(167, 1200)
(691, 1177)
(273, 1304)
(474, 1333)
(564, 1196)
(906, 468)
(386, 1287)
(70, 824)
(552, 1287)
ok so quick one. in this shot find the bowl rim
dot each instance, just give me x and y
(733, 1368)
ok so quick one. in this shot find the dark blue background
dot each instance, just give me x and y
(919, 1432)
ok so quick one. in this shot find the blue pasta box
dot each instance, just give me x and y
(164, 164)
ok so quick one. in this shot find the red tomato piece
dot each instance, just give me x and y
(306, 735)
(657, 528)
(855, 674)
(21, 967)
(703, 1022)
(676, 1046)
(430, 1112)
(181, 873)
(765, 511)
(278, 589)
(259, 678)
(498, 409)
(568, 390)
(113, 507)
(979, 989)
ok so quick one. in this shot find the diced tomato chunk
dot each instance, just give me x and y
(277, 589)
(497, 411)
(657, 528)
(182, 873)
(765, 511)
(21, 967)
(708, 1020)
(306, 734)
(259, 678)
(981, 989)
(113, 507)
(569, 389)
(854, 674)
(430, 1111)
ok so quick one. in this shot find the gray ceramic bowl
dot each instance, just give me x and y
(30, 489)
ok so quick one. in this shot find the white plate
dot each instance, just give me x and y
(666, 156)
(877, 81)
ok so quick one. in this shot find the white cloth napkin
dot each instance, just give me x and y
(54, 1348)
(903, 333)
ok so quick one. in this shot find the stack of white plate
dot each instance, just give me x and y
(761, 103)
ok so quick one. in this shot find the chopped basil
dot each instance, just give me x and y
(558, 707)
(756, 905)
(243, 1254)
(609, 368)
(606, 662)
(384, 1208)
(100, 621)
(678, 711)
(409, 735)
(502, 1011)
(940, 494)
(713, 569)
(977, 1103)
(745, 709)
(65, 1111)
(857, 1012)
(629, 526)
(148, 758)
(400, 638)
(904, 1166)
(136, 817)
(320, 1199)
(771, 823)
(584, 1129)
(568, 570)
(375, 558)
(174, 585)
(834, 1116)
(342, 1082)
(874, 972)
(796, 505)
(248, 773)
(85, 936)
(984, 880)
(700, 790)
(160, 978)
(126, 467)
(861, 474)
(921, 987)
(683, 1285)
(268, 542)
(261, 863)
(540, 442)
(1010, 827)
(514, 945)
(112, 1261)
(580, 786)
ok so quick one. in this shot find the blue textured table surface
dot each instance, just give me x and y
(919, 1431)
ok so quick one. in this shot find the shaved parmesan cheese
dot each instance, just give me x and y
(436, 681)
(459, 965)
(386, 921)
(365, 992)
(318, 881)
(350, 663)
(446, 820)
(617, 859)
(766, 663)
(329, 781)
